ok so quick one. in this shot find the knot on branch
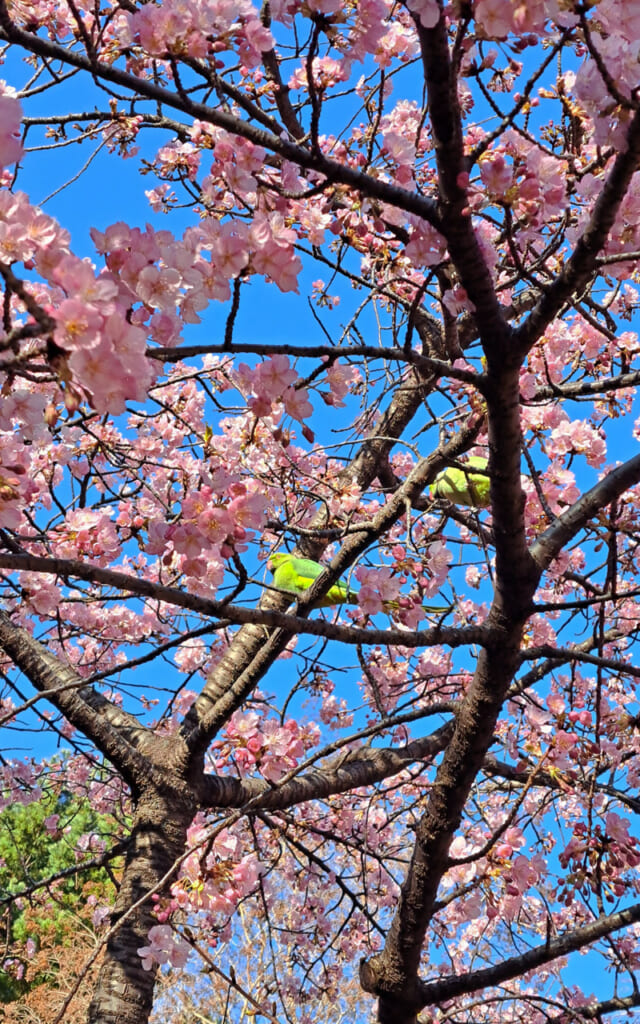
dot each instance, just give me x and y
(399, 998)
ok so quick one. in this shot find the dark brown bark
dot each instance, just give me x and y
(124, 991)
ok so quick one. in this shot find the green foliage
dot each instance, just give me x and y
(31, 853)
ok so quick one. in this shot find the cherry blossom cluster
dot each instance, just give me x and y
(254, 742)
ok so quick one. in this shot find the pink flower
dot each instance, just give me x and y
(494, 17)
(43, 594)
(426, 246)
(496, 174)
(229, 246)
(165, 947)
(217, 524)
(341, 379)
(400, 149)
(377, 586)
(274, 255)
(160, 198)
(427, 11)
(78, 325)
(274, 376)
(618, 828)
(255, 40)
(158, 287)
(578, 436)
(10, 117)
(25, 407)
(165, 328)
(247, 509)
(315, 223)
(297, 404)
(78, 279)
(243, 725)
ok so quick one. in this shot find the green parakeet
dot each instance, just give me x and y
(294, 575)
(463, 487)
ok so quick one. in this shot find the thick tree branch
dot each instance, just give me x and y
(432, 992)
(269, 613)
(595, 1011)
(586, 388)
(441, 81)
(549, 544)
(340, 774)
(568, 655)
(117, 734)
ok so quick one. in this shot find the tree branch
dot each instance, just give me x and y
(333, 170)
(583, 261)
(351, 770)
(446, 127)
(432, 992)
(265, 615)
(549, 544)
(117, 734)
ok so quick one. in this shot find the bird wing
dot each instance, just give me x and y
(306, 567)
(295, 575)
(464, 487)
(338, 593)
(478, 483)
(286, 578)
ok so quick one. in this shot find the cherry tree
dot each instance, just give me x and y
(384, 239)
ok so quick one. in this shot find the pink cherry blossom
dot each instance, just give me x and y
(297, 404)
(428, 12)
(10, 117)
(165, 947)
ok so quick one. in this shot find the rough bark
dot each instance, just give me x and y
(124, 991)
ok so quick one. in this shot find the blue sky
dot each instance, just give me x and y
(110, 190)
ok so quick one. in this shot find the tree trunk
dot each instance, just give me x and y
(124, 993)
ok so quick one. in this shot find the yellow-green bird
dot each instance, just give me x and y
(463, 487)
(295, 575)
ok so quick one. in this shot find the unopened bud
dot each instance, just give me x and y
(51, 415)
